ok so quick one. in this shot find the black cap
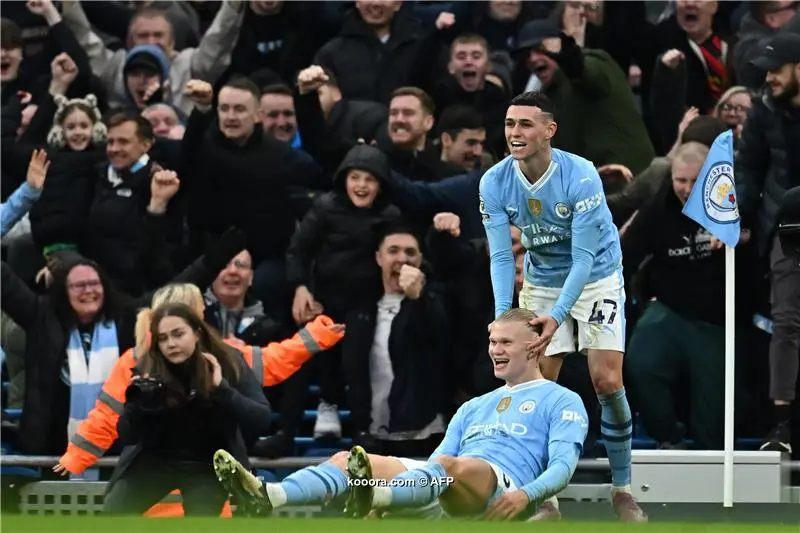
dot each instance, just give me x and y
(534, 32)
(782, 50)
(143, 61)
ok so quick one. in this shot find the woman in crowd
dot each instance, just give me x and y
(732, 108)
(75, 334)
(271, 364)
(191, 394)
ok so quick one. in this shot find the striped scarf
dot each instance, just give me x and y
(88, 369)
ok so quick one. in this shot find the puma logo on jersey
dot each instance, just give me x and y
(589, 203)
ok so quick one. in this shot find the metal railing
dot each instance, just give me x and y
(46, 461)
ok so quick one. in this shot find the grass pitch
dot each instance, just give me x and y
(58, 524)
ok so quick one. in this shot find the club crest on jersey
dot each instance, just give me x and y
(527, 407)
(503, 404)
(535, 206)
(562, 210)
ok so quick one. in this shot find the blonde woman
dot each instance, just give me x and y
(733, 106)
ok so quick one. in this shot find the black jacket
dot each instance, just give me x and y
(113, 225)
(419, 343)
(684, 273)
(244, 186)
(767, 164)
(339, 238)
(43, 429)
(365, 68)
(234, 414)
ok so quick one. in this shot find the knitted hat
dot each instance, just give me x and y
(56, 137)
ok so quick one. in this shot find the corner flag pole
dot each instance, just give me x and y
(730, 372)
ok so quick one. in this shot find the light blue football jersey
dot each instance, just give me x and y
(566, 201)
(511, 427)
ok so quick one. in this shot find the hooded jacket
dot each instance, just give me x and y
(160, 59)
(337, 237)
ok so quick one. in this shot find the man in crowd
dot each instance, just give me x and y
(765, 170)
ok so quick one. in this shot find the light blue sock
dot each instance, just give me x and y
(314, 484)
(616, 428)
(425, 486)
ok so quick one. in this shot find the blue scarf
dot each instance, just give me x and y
(86, 372)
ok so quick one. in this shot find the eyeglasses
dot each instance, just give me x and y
(241, 265)
(81, 286)
(728, 108)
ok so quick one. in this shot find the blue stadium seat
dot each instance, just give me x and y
(311, 414)
(12, 414)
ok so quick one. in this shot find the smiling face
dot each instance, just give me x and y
(78, 130)
(409, 123)
(125, 146)
(85, 292)
(278, 116)
(362, 188)
(783, 82)
(177, 342)
(734, 110)
(234, 281)
(528, 131)
(509, 352)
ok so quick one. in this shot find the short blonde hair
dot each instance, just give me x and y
(519, 314)
(183, 293)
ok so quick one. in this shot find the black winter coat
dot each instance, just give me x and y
(365, 68)
(767, 164)
(236, 412)
(339, 238)
(243, 186)
(419, 343)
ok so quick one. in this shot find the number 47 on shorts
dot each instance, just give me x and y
(603, 312)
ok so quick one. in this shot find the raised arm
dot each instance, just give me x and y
(21, 200)
(213, 55)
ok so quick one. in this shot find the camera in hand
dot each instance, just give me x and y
(150, 394)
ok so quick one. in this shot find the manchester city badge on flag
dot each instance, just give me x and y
(712, 202)
(504, 403)
(535, 206)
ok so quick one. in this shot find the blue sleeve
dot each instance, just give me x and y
(585, 197)
(568, 424)
(501, 258)
(18, 204)
(452, 437)
(563, 462)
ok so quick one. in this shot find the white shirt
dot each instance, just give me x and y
(381, 376)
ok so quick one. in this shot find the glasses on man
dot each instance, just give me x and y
(81, 286)
(241, 265)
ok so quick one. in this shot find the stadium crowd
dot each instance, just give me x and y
(304, 175)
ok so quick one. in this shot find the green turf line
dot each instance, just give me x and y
(65, 524)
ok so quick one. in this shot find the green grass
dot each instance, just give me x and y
(30, 524)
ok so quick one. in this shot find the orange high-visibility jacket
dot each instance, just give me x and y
(273, 363)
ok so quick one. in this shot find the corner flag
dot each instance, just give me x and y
(712, 202)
